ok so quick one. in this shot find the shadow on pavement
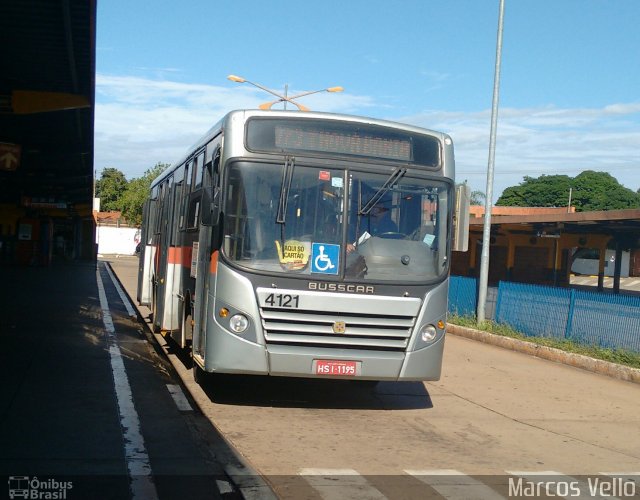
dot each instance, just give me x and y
(252, 390)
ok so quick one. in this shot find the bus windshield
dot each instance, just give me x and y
(337, 224)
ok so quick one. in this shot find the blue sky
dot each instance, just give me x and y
(569, 94)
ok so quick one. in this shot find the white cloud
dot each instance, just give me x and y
(140, 122)
(541, 141)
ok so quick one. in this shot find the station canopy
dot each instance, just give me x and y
(47, 97)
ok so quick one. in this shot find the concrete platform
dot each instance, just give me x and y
(87, 404)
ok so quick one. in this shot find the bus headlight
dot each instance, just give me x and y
(238, 323)
(428, 333)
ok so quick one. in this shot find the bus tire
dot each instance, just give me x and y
(154, 309)
(187, 323)
(199, 375)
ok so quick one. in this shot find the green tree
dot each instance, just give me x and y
(477, 197)
(137, 192)
(601, 191)
(589, 191)
(109, 188)
(543, 191)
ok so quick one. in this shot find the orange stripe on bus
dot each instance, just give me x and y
(175, 255)
(187, 252)
(213, 268)
(180, 255)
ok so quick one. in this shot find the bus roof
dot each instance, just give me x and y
(248, 113)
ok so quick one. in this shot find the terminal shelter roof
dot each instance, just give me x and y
(620, 224)
(47, 82)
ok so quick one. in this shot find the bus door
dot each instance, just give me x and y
(174, 265)
(164, 237)
(206, 247)
(145, 257)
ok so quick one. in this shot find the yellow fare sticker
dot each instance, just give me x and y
(294, 255)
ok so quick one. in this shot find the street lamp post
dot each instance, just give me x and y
(486, 234)
(280, 97)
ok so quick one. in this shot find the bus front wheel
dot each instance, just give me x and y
(199, 375)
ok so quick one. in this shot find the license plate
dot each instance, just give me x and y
(342, 368)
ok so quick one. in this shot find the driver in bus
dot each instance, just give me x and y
(378, 223)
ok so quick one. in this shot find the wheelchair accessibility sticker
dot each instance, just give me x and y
(325, 258)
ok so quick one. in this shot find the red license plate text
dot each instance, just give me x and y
(342, 368)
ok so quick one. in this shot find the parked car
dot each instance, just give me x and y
(586, 260)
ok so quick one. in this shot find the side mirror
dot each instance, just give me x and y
(461, 219)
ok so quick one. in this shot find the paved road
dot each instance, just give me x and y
(495, 416)
(627, 285)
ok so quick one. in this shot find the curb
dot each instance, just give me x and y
(240, 474)
(607, 368)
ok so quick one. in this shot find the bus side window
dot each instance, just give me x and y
(158, 218)
(184, 196)
(197, 171)
(195, 200)
(194, 212)
(211, 191)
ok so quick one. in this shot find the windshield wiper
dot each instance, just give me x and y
(285, 186)
(393, 178)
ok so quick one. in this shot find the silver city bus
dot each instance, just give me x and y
(305, 245)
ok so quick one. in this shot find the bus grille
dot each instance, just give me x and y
(319, 328)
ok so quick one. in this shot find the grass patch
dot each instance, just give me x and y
(619, 356)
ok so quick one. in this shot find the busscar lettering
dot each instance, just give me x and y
(340, 287)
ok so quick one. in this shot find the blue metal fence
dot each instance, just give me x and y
(533, 310)
(462, 296)
(607, 320)
(591, 318)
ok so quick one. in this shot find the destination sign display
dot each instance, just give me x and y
(343, 138)
(349, 143)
